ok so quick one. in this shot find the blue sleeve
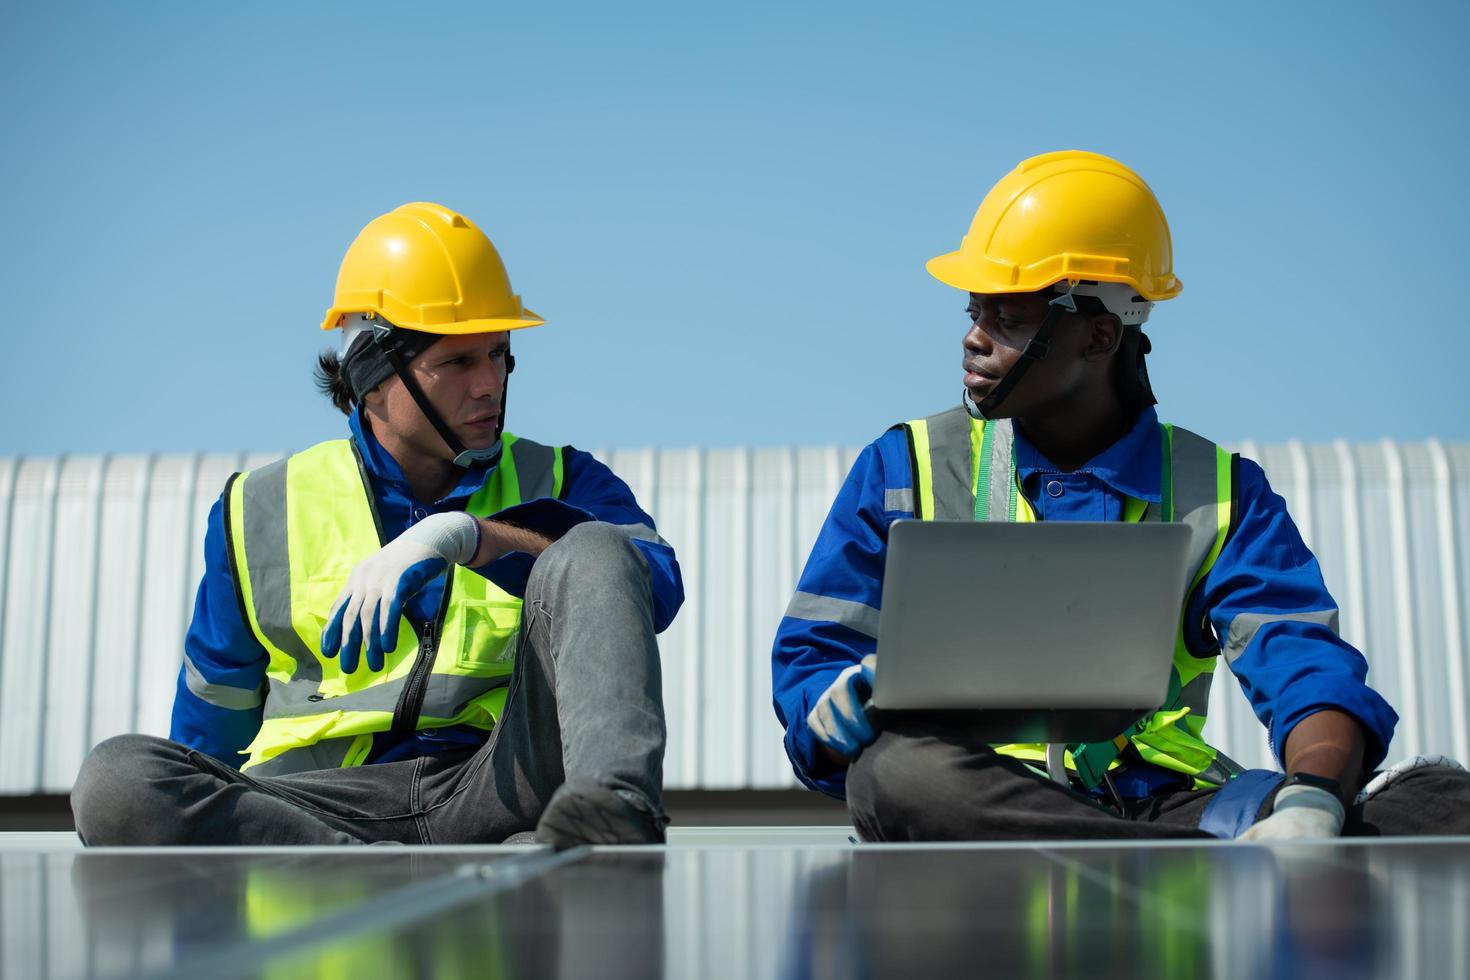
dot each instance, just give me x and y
(220, 694)
(1277, 625)
(592, 492)
(832, 621)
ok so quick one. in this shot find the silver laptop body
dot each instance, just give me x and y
(1045, 632)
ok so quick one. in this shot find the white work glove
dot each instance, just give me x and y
(1300, 813)
(380, 585)
(837, 719)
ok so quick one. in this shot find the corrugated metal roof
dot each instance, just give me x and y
(84, 656)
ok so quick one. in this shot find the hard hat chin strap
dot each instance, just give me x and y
(1036, 350)
(465, 458)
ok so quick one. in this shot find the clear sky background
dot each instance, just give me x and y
(722, 211)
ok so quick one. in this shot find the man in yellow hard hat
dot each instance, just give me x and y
(433, 631)
(1063, 264)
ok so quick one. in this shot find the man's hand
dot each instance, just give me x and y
(379, 586)
(1300, 813)
(837, 719)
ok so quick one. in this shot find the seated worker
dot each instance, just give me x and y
(430, 632)
(1063, 264)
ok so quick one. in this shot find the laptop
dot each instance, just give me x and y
(1046, 632)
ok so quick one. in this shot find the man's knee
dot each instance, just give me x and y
(593, 549)
(114, 801)
(891, 786)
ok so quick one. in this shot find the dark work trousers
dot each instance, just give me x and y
(585, 703)
(923, 781)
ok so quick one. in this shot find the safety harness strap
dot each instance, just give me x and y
(1234, 806)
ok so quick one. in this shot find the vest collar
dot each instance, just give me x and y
(1130, 465)
(385, 470)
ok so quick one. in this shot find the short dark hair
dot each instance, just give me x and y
(331, 382)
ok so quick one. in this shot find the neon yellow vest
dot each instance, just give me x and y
(296, 528)
(965, 469)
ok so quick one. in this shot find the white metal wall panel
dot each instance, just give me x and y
(9, 472)
(775, 564)
(115, 655)
(166, 561)
(680, 517)
(723, 589)
(1452, 515)
(27, 594)
(73, 614)
(84, 656)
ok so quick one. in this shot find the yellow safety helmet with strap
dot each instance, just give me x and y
(1069, 215)
(1080, 223)
(422, 269)
(428, 268)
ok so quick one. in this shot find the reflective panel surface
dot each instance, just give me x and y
(738, 909)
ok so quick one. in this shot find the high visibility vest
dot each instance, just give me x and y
(295, 529)
(965, 469)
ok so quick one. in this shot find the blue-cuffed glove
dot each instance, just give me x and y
(838, 720)
(1300, 813)
(380, 585)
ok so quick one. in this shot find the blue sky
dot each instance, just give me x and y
(722, 211)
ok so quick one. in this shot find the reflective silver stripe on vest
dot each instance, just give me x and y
(856, 616)
(326, 754)
(296, 700)
(1243, 628)
(1196, 493)
(264, 513)
(1196, 695)
(535, 469)
(445, 695)
(1002, 469)
(950, 465)
(901, 499)
(220, 695)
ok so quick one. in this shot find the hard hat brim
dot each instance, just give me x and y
(957, 270)
(486, 325)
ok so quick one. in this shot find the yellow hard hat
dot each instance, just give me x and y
(1069, 215)
(424, 267)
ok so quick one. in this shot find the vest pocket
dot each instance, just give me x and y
(487, 646)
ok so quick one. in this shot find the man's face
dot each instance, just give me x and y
(1001, 325)
(464, 379)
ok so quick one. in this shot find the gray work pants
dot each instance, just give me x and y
(929, 781)
(585, 703)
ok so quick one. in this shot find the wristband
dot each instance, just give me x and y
(1316, 782)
